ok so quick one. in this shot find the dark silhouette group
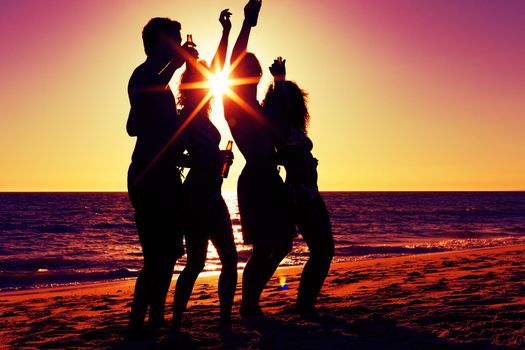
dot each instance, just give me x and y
(170, 212)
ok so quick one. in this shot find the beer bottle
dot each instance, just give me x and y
(226, 165)
(189, 40)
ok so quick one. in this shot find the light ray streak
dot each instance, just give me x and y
(237, 61)
(244, 81)
(246, 106)
(199, 85)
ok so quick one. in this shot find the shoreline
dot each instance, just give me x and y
(92, 287)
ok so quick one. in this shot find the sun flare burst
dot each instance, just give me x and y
(219, 83)
(216, 84)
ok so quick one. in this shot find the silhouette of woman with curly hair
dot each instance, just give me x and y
(285, 107)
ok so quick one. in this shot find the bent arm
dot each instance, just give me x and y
(164, 75)
(181, 54)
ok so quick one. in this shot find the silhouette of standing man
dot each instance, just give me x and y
(154, 181)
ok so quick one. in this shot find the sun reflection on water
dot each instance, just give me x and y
(212, 260)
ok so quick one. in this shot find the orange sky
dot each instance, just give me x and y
(404, 95)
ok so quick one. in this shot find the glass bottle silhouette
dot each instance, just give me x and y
(226, 165)
(189, 40)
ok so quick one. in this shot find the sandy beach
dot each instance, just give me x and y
(471, 299)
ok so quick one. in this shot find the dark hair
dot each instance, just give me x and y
(247, 67)
(187, 92)
(289, 110)
(155, 30)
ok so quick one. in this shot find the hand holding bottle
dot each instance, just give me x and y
(227, 159)
(251, 12)
(189, 47)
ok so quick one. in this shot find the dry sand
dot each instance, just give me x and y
(456, 300)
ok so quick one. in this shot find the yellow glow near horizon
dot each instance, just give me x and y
(402, 96)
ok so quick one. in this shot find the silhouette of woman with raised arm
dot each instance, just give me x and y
(154, 183)
(206, 213)
(259, 188)
(285, 106)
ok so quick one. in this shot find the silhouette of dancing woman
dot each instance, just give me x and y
(154, 183)
(206, 213)
(285, 105)
(259, 188)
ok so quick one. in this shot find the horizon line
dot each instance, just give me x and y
(234, 191)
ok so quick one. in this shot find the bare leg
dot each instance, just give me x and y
(162, 275)
(258, 271)
(139, 307)
(316, 231)
(196, 249)
(254, 280)
(228, 278)
(279, 252)
(150, 291)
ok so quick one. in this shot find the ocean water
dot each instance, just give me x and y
(50, 239)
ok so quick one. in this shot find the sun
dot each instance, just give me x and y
(219, 83)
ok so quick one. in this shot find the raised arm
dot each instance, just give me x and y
(220, 55)
(277, 106)
(278, 71)
(251, 14)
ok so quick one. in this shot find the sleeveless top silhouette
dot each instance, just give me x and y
(205, 210)
(296, 156)
(260, 188)
(202, 143)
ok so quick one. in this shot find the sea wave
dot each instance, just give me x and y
(48, 263)
(64, 238)
(11, 280)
